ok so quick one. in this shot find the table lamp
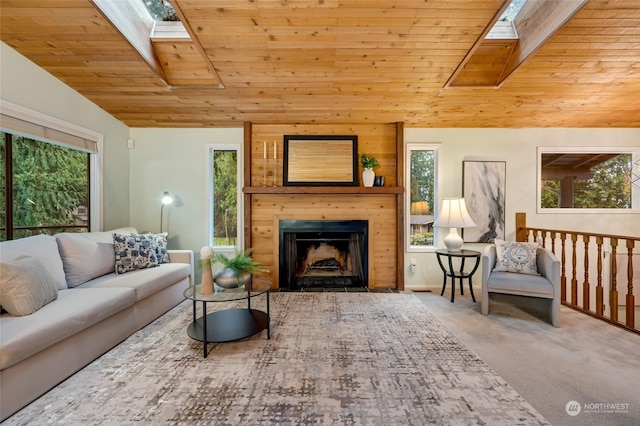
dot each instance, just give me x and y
(453, 215)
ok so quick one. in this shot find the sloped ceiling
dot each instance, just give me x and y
(341, 61)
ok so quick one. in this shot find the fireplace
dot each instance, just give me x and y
(323, 253)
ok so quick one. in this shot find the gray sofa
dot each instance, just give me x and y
(95, 310)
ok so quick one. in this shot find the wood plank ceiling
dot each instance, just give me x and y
(341, 61)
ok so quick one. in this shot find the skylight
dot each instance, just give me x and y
(161, 10)
(512, 10)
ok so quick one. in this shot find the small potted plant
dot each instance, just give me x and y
(236, 270)
(368, 163)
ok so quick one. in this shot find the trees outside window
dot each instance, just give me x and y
(225, 197)
(44, 188)
(604, 185)
(421, 181)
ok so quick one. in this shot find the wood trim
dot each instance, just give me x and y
(322, 190)
(521, 224)
(247, 178)
(400, 205)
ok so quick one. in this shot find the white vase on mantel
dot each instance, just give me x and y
(368, 176)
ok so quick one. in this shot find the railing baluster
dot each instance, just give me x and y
(574, 264)
(599, 288)
(613, 291)
(586, 293)
(630, 308)
(563, 275)
(605, 245)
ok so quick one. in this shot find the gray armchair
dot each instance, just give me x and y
(546, 285)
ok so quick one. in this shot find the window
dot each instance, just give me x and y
(49, 181)
(49, 188)
(226, 196)
(421, 200)
(587, 178)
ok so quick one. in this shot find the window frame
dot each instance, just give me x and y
(95, 158)
(421, 146)
(210, 150)
(635, 192)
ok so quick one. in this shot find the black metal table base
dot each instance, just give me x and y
(457, 274)
(228, 325)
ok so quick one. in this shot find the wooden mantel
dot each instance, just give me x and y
(322, 190)
(382, 207)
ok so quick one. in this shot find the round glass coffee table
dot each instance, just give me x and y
(229, 324)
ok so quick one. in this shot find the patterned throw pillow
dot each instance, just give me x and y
(161, 247)
(516, 257)
(135, 251)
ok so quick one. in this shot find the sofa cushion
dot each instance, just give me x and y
(134, 251)
(75, 310)
(88, 255)
(516, 257)
(144, 282)
(25, 286)
(42, 247)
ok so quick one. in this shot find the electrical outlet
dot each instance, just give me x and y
(412, 265)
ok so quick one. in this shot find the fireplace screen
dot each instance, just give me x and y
(323, 254)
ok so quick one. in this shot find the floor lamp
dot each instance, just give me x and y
(454, 215)
(166, 200)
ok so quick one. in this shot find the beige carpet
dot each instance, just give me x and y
(333, 358)
(585, 360)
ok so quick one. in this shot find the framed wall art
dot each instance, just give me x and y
(320, 160)
(483, 188)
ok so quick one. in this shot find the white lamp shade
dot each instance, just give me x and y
(453, 214)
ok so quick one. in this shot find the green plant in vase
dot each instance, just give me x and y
(237, 270)
(368, 163)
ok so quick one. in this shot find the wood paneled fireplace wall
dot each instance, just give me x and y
(382, 207)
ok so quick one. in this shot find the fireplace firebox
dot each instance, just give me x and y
(323, 253)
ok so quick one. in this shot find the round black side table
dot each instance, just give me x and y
(460, 273)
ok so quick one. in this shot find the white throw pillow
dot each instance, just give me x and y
(86, 255)
(25, 286)
(135, 251)
(516, 257)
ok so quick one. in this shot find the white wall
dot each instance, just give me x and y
(518, 147)
(25, 84)
(174, 160)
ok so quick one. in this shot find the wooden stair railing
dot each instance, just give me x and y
(585, 251)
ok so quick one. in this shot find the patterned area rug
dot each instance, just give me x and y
(333, 358)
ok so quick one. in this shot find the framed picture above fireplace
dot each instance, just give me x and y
(320, 160)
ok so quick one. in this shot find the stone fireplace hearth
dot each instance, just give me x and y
(323, 253)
